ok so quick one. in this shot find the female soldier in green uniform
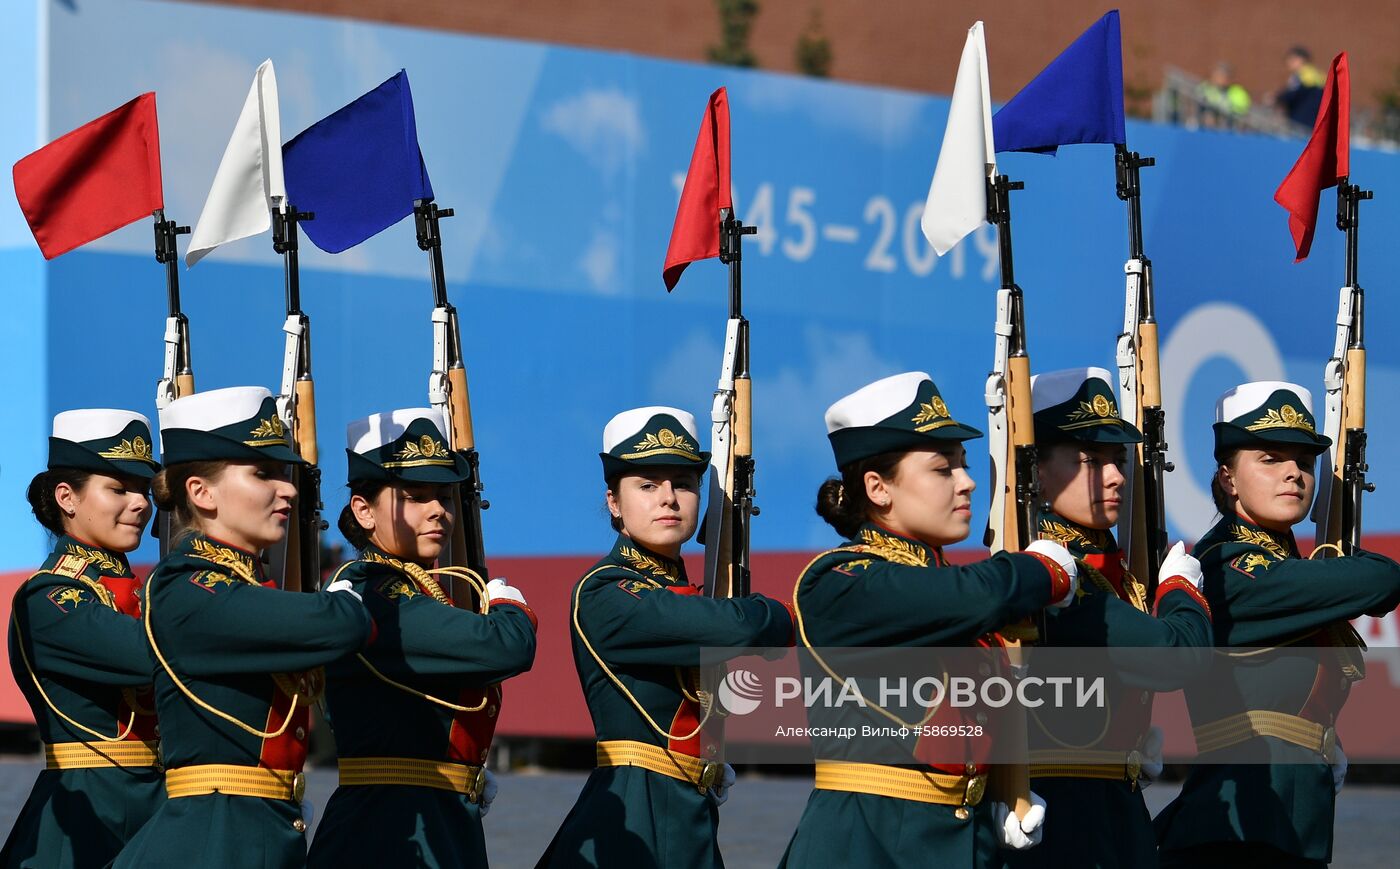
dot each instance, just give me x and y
(414, 714)
(1279, 711)
(1089, 764)
(235, 655)
(638, 628)
(903, 494)
(78, 652)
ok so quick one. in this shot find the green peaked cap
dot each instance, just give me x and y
(405, 445)
(116, 443)
(650, 436)
(892, 414)
(1077, 404)
(1255, 415)
(238, 423)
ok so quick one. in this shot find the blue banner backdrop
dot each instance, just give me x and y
(564, 167)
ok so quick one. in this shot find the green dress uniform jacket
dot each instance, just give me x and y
(886, 590)
(1279, 810)
(252, 652)
(1093, 820)
(648, 624)
(427, 645)
(77, 624)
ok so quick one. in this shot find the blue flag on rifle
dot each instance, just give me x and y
(1077, 99)
(359, 169)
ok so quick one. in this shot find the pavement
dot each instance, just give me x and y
(761, 813)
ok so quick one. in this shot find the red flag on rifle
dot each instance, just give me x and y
(94, 180)
(696, 233)
(1323, 161)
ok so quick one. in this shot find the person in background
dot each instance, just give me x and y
(1301, 97)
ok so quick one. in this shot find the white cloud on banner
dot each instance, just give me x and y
(603, 124)
(878, 117)
(600, 262)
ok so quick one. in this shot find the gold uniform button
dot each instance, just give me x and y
(491, 711)
(971, 769)
(961, 813)
(299, 825)
(156, 730)
(300, 733)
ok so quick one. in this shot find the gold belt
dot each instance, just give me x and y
(1262, 722)
(683, 767)
(93, 755)
(1083, 763)
(235, 780)
(457, 777)
(901, 783)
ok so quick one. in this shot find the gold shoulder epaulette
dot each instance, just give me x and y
(70, 566)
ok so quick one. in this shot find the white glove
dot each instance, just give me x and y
(1020, 833)
(720, 792)
(345, 586)
(308, 812)
(1151, 753)
(1339, 769)
(1178, 563)
(488, 793)
(497, 589)
(1060, 555)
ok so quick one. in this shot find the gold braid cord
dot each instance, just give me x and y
(424, 579)
(29, 668)
(184, 689)
(807, 644)
(707, 704)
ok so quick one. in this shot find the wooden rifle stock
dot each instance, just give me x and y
(449, 393)
(301, 551)
(177, 376)
(1019, 495)
(1338, 512)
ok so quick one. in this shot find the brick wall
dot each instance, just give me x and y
(915, 43)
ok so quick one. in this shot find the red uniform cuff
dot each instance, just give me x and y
(1060, 583)
(792, 614)
(505, 601)
(1180, 583)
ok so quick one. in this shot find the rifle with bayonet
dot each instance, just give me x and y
(177, 375)
(1142, 526)
(301, 550)
(1014, 518)
(1343, 481)
(447, 391)
(731, 494)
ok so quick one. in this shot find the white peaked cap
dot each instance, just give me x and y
(629, 422)
(1057, 387)
(207, 411)
(1247, 396)
(94, 424)
(378, 429)
(878, 401)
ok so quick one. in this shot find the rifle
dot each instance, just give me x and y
(301, 550)
(1012, 522)
(730, 506)
(447, 391)
(1338, 508)
(177, 377)
(1015, 479)
(1142, 526)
